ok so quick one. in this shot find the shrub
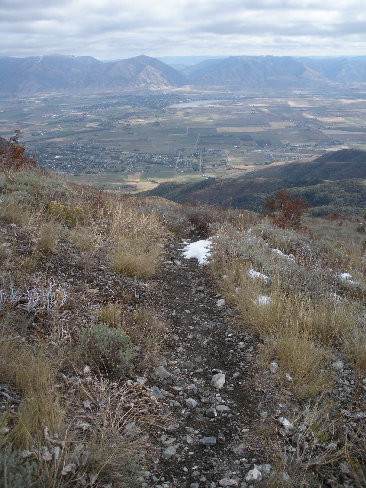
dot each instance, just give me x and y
(108, 349)
(49, 234)
(67, 214)
(285, 210)
(13, 156)
(15, 472)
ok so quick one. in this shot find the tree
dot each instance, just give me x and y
(285, 210)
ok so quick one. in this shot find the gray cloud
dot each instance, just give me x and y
(110, 29)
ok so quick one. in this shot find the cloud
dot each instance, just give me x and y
(110, 29)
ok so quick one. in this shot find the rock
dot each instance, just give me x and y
(286, 477)
(222, 408)
(221, 437)
(220, 303)
(338, 365)
(211, 413)
(208, 441)
(161, 373)
(169, 452)
(156, 393)
(273, 367)
(253, 475)
(194, 485)
(264, 414)
(191, 403)
(288, 377)
(228, 482)
(286, 424)
(218, 380)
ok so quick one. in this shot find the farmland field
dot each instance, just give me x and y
(134, 141)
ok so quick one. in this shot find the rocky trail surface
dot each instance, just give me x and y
(214, 393)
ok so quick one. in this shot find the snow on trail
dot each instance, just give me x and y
(200, 250)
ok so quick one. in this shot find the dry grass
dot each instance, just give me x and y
(302, 308)
(305, 361)
(13, 213)
(84, 238)
(33, 374)
(111, 314)
(49, 235)
(134, 259)
(137, 241)
(146, 330)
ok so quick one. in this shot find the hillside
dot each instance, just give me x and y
(146, 343)
(84, 74)
(333, 183)
(335, 165)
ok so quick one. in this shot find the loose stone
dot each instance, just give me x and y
(218, 380)
(208, 441)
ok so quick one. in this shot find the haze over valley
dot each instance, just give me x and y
(132, 124)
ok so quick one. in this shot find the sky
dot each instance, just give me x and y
(118, 29)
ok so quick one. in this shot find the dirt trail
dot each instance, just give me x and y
(209, 438)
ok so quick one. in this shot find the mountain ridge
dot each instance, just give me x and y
(79, 74)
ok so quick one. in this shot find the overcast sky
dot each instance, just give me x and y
(115, 29)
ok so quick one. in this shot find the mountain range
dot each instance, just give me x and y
(85, 74)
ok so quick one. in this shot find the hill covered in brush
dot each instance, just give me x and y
(333, 183)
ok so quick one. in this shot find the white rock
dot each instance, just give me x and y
(273, 367)
(220, 303)
(253, 475)
(285, 423)
(288, 377)
(218, 380)
(86, 370)
(338, 365)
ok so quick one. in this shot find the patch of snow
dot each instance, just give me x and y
(290, 257)
(335, 297)
(200, 250)
(348, 278)
(263, 300)
(256, 274)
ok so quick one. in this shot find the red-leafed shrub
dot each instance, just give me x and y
(13, 156)
(285, 210)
